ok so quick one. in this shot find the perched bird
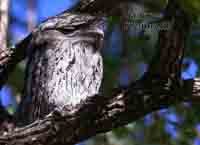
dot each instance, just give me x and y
(64, 64)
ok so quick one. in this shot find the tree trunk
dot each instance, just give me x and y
(4, 12)
(31, 14)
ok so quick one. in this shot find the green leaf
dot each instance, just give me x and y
(10, 109)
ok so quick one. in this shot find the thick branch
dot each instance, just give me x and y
(101, 113)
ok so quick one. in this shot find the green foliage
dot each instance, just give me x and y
(155, 6)
(111, 71)
(112, 20)
(192, 7)
(11, 110)
(121, 132)
(193, 43)
(142, 49)
(16, 79)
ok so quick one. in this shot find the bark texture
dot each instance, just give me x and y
(108, 112)
(4, 8)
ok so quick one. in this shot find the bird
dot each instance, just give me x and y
(64, 65)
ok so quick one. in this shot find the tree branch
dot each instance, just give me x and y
(102, 113)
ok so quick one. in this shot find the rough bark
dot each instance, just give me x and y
(108, 112)
(4, 8)
(5, 52)
(167, 62)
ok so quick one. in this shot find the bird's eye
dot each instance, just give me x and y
(66, 31)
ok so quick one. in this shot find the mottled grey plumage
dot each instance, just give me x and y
(64, 65)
